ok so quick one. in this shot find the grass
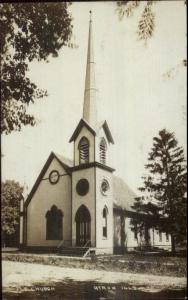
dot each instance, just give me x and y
(167, 266)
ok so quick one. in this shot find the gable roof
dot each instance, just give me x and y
(107, 132)
(65, 163)
(83, 123)
(123, 196)
(78, 129)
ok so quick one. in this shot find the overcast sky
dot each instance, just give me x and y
(135, 96)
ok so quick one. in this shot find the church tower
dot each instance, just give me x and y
(92, 195)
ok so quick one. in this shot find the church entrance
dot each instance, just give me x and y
(83, 221)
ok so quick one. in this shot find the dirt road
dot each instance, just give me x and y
(17, 274)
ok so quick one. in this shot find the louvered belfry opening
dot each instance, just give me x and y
(83, 150)
(103, 151)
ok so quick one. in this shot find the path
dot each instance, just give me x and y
(27, 274)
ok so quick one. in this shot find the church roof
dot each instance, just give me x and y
(64, 160)
(89, 118)
(90, 93)
(123, 196)
(102, 124)
(78, 129)
(107, 131)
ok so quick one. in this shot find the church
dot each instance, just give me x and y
(81, 204)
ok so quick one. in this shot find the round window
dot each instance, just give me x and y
(82, 187)
(54, 177)
(105, 187)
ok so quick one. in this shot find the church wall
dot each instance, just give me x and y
(162, 243)
(88, 200)
(21, 223)
(117, 238)
(124, 239)
(46, 195)
(154, 238)
(84, 132)
(21, 231)
(104, 244)
(130, 237)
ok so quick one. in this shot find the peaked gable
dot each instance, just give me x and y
(107, 131)
(80, 125)
(65, 163)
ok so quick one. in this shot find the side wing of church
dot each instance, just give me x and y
(81, 203)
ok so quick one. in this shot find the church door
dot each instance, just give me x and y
(83, 221)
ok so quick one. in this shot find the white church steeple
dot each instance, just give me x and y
(90, 106)
(89, 118)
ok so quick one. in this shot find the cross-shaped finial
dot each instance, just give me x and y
(90, 12)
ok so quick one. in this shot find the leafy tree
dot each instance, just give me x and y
(11, 194)
(166, 186)
(28, 31)
(146, 23)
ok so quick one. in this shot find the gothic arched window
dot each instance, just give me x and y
(83, 228)
(83, 150)
(104, 215)
(54, 224)
(103, 148)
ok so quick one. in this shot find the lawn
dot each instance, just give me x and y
(132, 263)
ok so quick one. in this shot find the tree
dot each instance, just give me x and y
(11, 195)
(148, 217)
(29, 31)
(146, 24)
(166, 186)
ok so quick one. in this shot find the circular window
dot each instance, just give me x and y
(82, 187)
(105, 187)
(54, 177)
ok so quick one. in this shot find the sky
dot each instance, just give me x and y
(136, 96)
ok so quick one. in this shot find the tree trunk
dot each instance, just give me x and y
(173, 248)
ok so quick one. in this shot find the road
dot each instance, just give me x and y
(17, 274)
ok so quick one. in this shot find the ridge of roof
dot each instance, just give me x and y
(108, 132)
(64, 160)
(103, 124)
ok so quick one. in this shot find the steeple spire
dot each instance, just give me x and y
(89, 109)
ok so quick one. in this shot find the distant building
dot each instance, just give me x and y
(81, 203)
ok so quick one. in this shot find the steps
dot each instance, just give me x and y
(73, 251)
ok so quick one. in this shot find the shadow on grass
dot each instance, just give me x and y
(70, 290)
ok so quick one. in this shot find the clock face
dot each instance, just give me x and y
(105, 187)
(82, 187)
(54, 177)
